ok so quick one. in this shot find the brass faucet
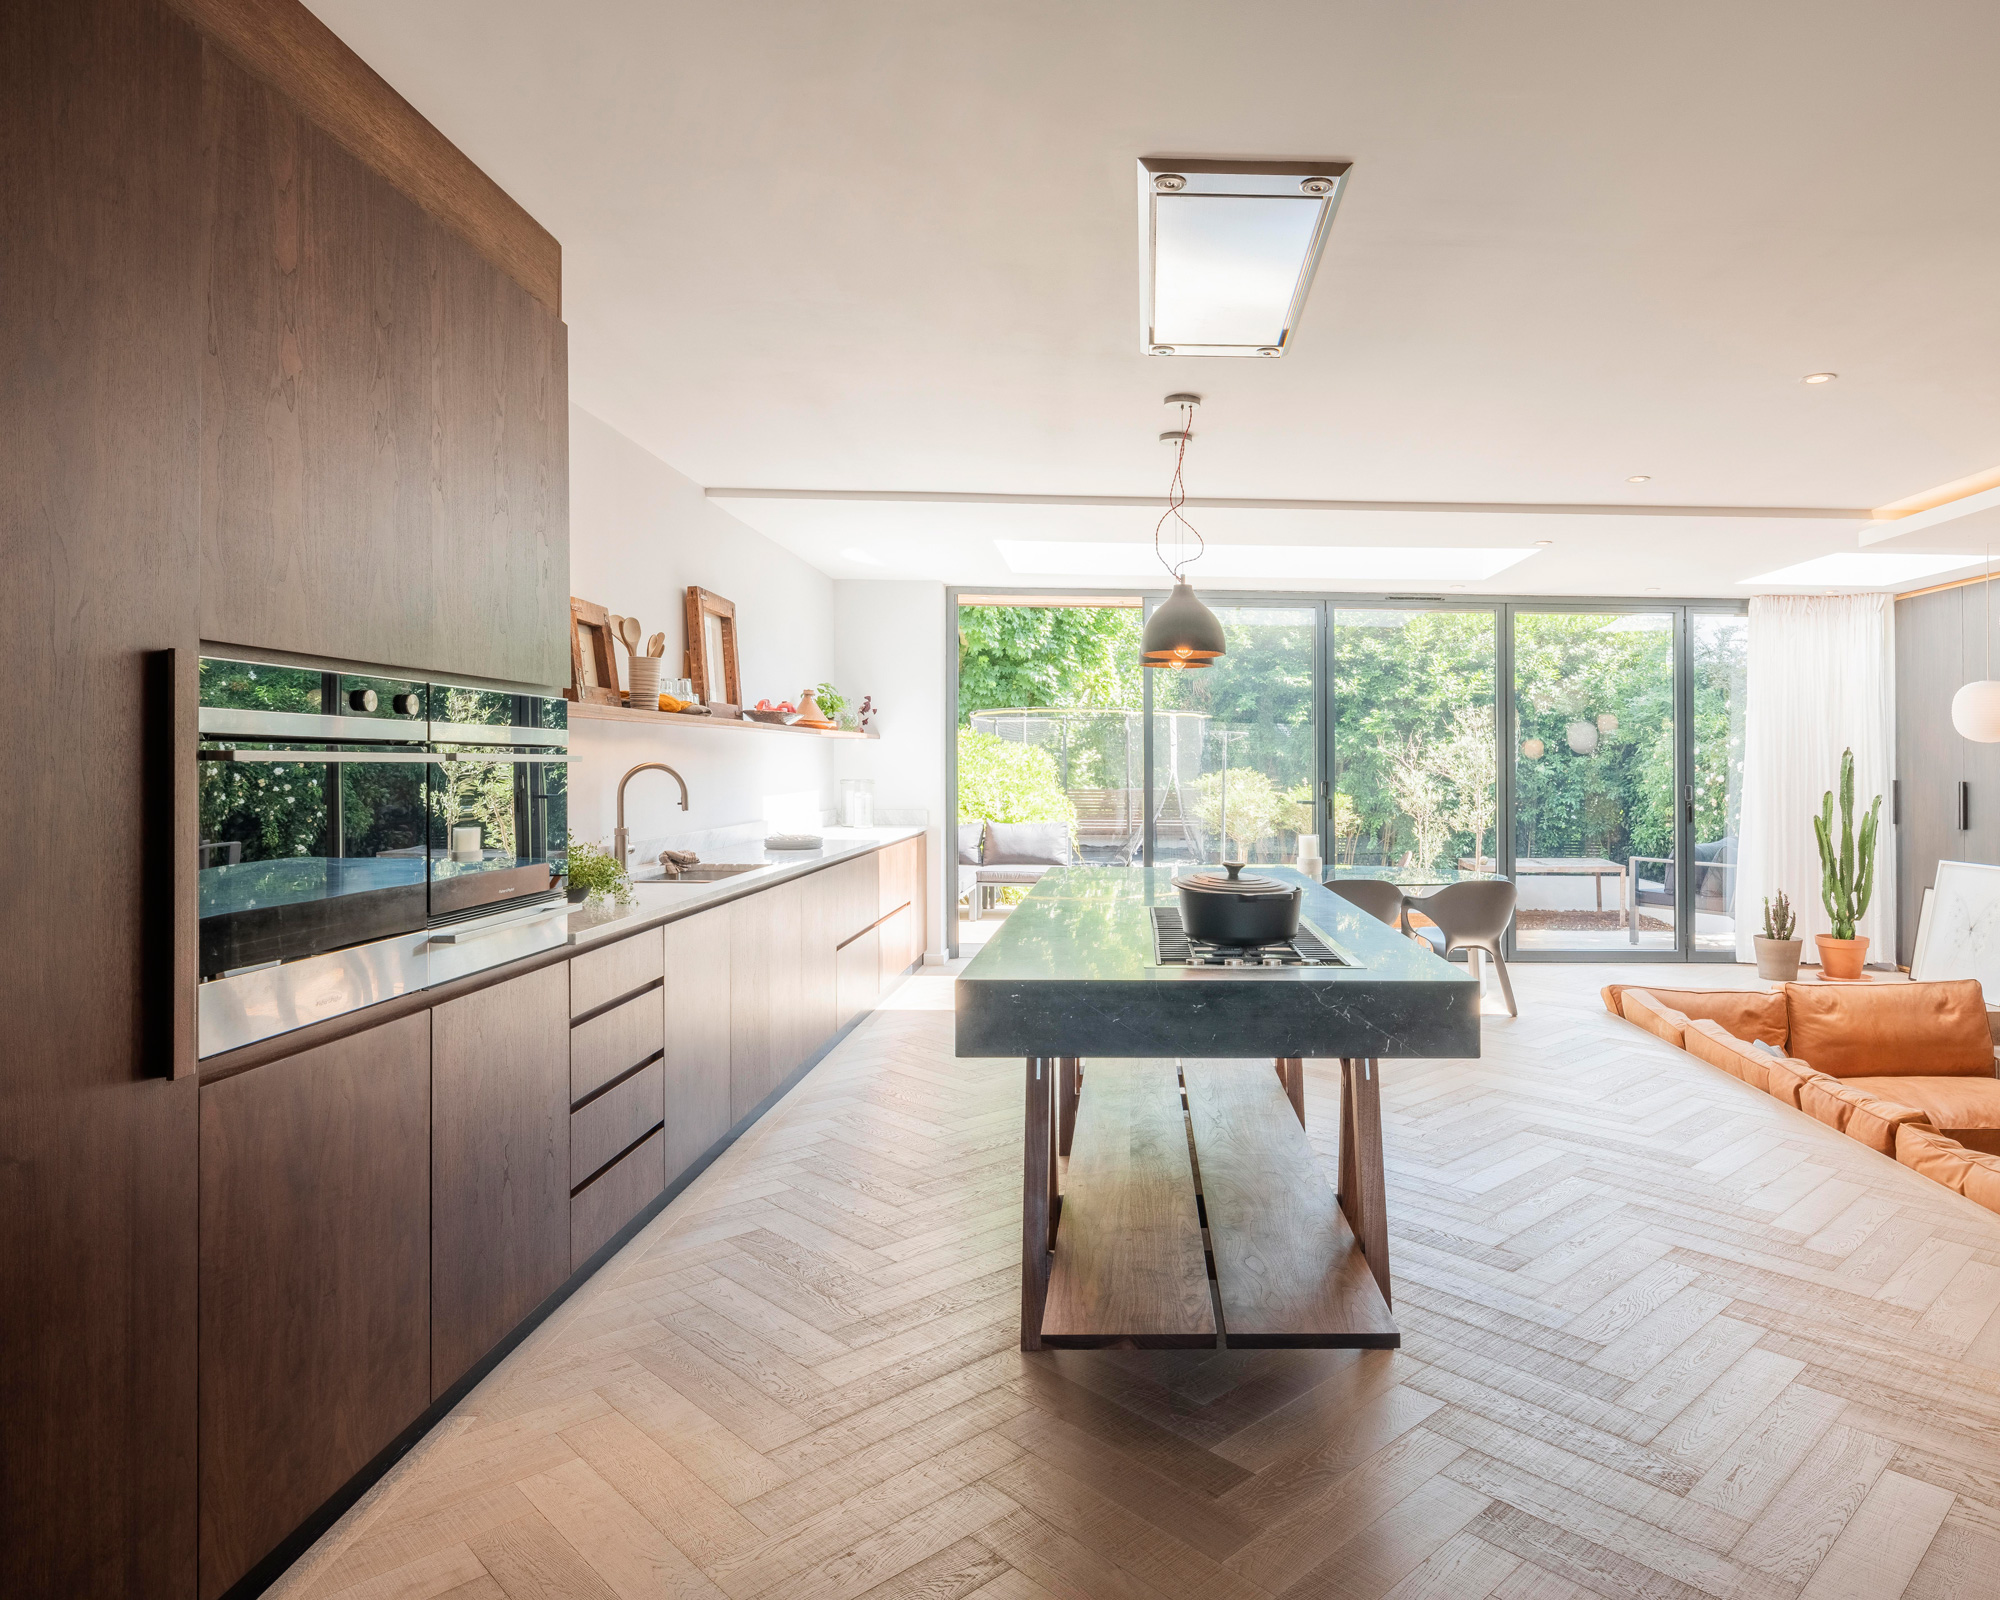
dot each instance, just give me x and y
(621, 843)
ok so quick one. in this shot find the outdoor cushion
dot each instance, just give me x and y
(1942, 1159)
(968, 843)
(1881, 1030)
(1747, 1013)
(1029, 844)
(1967, 1109)
(1855, 1112)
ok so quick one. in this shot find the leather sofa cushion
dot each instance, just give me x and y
(1882, 1030)
(1612, 993)
(1644, 1008)
(1747, 1013)
(1779, 1076)
(1785, 1078)
(1965, 1109)
(1942, 1159)
(1855, 1112)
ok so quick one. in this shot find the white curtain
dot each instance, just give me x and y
(1822, 679)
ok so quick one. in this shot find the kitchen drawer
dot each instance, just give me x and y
(615, 1042)
(857, 976)
(895, 951)
(615, 1119)
(598, 977)
(615, 1198)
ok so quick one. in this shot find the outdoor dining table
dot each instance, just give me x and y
(1595, 867)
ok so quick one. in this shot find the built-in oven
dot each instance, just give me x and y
(347, 856)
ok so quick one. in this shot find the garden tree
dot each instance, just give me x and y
(1001, 781)
(1241, 801)
(1466, 762)
(1027, 656)
(1420, 793)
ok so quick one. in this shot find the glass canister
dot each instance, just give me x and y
(857, 802)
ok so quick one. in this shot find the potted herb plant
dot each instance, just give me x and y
(595, 875)
(1777, 950)
(1847, 880)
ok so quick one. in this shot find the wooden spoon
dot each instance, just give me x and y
(630, 632)
(657, 645)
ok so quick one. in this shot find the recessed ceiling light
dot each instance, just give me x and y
(1821, 377)
(863, 557)
(1640, 477)
(1229, 251)
(1365, 564)
(1652, 591)
(1543, 544)
(1459, 588)
(1865, 569)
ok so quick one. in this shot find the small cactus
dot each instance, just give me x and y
(1779, 922)
(1847, 884)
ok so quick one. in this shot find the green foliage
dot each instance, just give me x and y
(1846, 885)
(1779, 923)
(831, 701)
(1047, 656)
(1241, 804)
(596, 869)
(1000, 781)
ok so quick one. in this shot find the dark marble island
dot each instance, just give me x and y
(1159, 1138)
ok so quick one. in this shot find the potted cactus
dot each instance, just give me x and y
(1777, 950)
(1847, 880)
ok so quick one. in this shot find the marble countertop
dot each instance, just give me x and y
(657, 900)
(1072, 973)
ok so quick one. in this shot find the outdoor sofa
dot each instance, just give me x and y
(1003, 855)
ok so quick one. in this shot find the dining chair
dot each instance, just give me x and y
(1472, 917)
(1381, 900)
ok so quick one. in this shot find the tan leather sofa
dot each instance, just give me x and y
(1906, 1068)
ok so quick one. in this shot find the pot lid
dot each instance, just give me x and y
(1233, 883)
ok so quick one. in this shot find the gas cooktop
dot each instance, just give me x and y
(1173, 948)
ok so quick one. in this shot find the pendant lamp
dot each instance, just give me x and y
(1182, 633)
(1975, 709)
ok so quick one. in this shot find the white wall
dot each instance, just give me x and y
(640, 533)
(889, 642)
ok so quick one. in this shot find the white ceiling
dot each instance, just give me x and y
(890, 247)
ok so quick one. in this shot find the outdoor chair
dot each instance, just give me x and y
(1381, 899)
(1714, 882)
(1014, 855)
(1472, 917)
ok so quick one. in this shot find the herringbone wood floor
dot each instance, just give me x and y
(1663, 1337)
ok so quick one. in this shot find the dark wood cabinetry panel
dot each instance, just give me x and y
(819, 931)
(614, 1041)
(614, 1197)
(499, 560)
(101, 329)
(758, 1033)
(499, 1163)
(315, 1282)
(614, 1121)
(610, 971)
(857, 976)
(698, 1112)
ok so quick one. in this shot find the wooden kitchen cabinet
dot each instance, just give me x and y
(857, 976)
(500, 1105)
(315, 1282)
(698, 1105)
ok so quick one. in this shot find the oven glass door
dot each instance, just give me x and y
(306, 849)
(499, 828)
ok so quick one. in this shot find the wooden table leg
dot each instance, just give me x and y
(1598, 879)
(1071, 1087)
(1362, 1196)
(1292, 1074)
(1037, 1181)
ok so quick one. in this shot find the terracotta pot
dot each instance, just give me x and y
(1840, 958)
(1778, 958)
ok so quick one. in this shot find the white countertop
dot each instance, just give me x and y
(657, 900)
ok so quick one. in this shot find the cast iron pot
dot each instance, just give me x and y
(1236, 910)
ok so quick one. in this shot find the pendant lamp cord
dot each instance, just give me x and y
(1176, 498)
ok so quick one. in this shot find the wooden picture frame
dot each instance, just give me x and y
(593, 663)
(711, 652)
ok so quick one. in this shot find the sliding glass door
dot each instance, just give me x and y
(1589, 751)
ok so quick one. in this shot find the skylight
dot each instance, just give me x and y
(1353, 563)
(1865, 569)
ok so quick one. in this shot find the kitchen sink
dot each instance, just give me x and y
(715, 871)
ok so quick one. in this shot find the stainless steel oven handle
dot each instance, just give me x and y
(459, 936)
(484, 757)
(315, 758)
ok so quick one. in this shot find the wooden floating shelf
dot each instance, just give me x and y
(584, 711)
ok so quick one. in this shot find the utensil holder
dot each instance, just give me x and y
(644, 672)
